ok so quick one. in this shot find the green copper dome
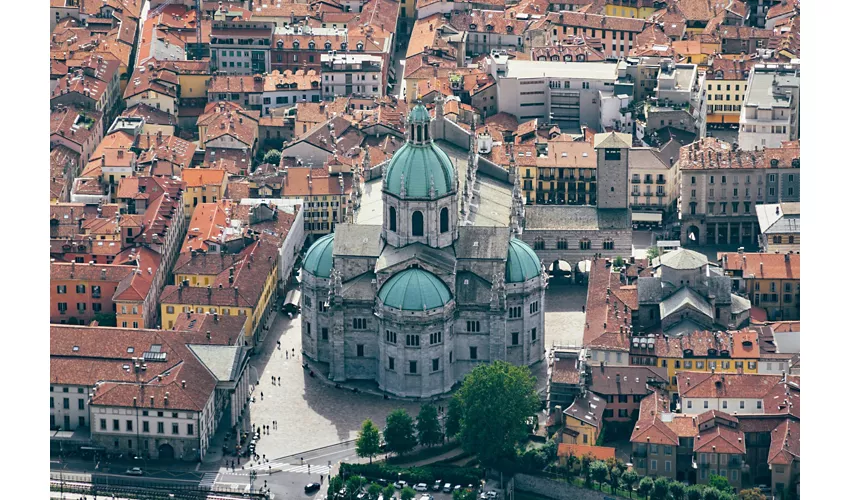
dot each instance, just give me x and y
(418, 164)
(523, 264)
(418, 114)
(414, 290)
(320, 257)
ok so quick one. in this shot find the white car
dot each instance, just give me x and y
(400, 485)
(447, 488)
(135, 471)
(421, 487)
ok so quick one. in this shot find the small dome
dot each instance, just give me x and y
(523, 264)
(319, 259)
(414, 290)
(418, 114)
(418, 164)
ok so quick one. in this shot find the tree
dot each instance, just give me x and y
(630, 478)
(614, 474)
(463, 494)
(334, 485)
(719, 482)
(711, 493)
(374, 490)
(677, 489)
(598, 472)
(368, 442)
(428, 426)
(496, 401)
(453, 414)
(407, 493)
(645, 486)
(388, 492)
(399, 434)
(752, 494)
(106, 319)
(652, 252)
(586, 460)
(693, 493)
(354, 485)
(272, 156)
(660, 488)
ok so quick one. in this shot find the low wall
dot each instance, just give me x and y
(551, 488)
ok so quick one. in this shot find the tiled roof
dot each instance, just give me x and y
(588, 408)
(298, 80)
(782, 8)
(606, 304)
(73, 123)
(725, 385)
(64, 271)
(591, 21)
(197, 177)
(763, 265)
(621, 380)
(222, 329)
(710, 153)
(720, 439)
(784, 443)
(650, 428)
(208, 223)
(566, 371)
(152, 115)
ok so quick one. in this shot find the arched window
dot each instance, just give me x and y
(444, 220)
(392, 219)
(418, 133)
(418, 224)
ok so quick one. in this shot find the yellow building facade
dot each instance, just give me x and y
(193, 86)
(587, 433)
(618, 10)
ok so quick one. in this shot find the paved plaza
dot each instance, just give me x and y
(564, 317)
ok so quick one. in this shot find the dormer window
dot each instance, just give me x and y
(343, 46)
(473, 27)
(688, 353)
(295, 45)
(312, 45)
(580, 58)
(795, 163)
(489, 27)
(568, 57)
(747, 343)
(774, 163)
(509, 28)
(712, 352)
(718, 75)
(280, 44)
(327, 45)
(360, 46)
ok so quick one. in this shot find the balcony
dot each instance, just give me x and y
(639, 452)
(635, 180)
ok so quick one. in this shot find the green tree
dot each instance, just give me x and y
(368, 442)
(630, 479)
(719, 482)
(407, 493)
(353, 485)
(453, 414)
(334, 485)
(598, 472)
(752, 494)
(726, 495)
(388, 492)
(677, 489)
(496, 402)
(614, 475)
(428, 426)
(399, 434)
(105, 319)
(463, 494)
(586, 460)
(660, 488)
(710, 493)
(374, 490)
(652, 252)
(272, 156)
(645, 486)
(693, 493)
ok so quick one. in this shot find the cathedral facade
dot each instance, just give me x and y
(417, 302)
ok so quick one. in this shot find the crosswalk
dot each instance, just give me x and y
(208, 481)
(285, 467)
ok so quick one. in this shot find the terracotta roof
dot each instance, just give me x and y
(728, 69)
(225, 118)
(763, 265)
(73, 123)
(782, 8)
(243, 84)
(238, 190)
(298, 80)
(650, 428)
(304, 181)
(222, 329)
(590, 21)
(726, 385)
(685, 426)
(720, 439)
(606, 312)
(235, 161)
(737, 345)
(138, 285)
(566, 371)
(709, 153)
(198, 177)
(208, 223)
(624, 380)
(152, 76)
(152, 115)
(784, 443)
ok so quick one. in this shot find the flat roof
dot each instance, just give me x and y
(760, 91)
(559, 69)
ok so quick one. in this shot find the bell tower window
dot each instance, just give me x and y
(418, 224)
(425, 138)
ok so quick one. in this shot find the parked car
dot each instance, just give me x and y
(447, 488)
(383, 482)
(492, 494)
(436, 486)
(457, 487)
(311, 487)
(400, 484)
(426, 496)
(421, 487)
(135, 471)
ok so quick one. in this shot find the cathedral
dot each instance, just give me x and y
(418, 301)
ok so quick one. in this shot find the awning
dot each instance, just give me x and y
(647, 216)
(667, 244)
(293, 297)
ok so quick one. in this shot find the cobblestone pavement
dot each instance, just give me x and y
(564, 318)
(309, 413)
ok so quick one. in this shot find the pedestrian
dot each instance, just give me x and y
(287, 354)
(261, 395)
(278, 345)
(321, 479)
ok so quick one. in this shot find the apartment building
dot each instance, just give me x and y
(720, 187)
(726, 86)
(653, 192)
(770, 280)
(486, 30)
(240, 47)
(568, 94)
(289, 88)
(771, 109)
(203, 185)
(615, 33)
(779, 225)
(78, 129)
(352, 74)
(679, 100)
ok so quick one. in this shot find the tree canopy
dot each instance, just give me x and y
(399, 433)
(428, 426)
(495, 402)
(368, 442)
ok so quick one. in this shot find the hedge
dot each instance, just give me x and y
(413, 475)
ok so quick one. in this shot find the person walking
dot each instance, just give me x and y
(261, 395)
